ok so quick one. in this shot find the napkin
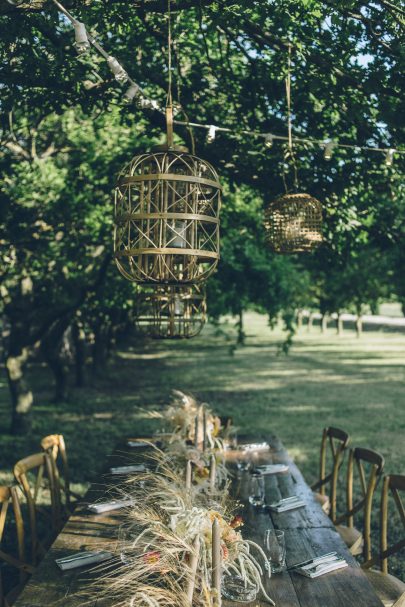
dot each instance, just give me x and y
(82, 559)
(254, 447)
(288, 503)
(100, 507)
(315, 570)
(272, 468)
(128, 469)
(137, 443)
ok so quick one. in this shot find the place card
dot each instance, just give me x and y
(82, 559)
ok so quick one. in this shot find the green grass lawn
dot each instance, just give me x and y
(356, 384)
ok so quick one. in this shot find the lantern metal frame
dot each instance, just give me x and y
(167, 205)
(293, 223)
(171, 312)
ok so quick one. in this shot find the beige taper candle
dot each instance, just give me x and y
(195, 557)
(188, 474)
(216, 560)
(213, 472)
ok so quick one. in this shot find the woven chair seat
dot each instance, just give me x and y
(388, 587)
(352, 537)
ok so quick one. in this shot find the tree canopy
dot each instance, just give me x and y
(65, 132)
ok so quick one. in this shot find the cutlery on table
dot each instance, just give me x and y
(101, 507)
(81, 559)
(315, 560)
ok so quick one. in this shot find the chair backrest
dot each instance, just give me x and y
(9, 497)
(359, 460)
(54, 444)
(31, 473)
(392, 485)
(337, 440)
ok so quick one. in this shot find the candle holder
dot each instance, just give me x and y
(235, 588)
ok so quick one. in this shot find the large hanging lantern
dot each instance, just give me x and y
(169, 312)
(167, 205)
(293, 223)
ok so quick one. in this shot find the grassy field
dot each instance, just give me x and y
(356, 384)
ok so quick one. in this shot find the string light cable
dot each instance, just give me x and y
(83, 40)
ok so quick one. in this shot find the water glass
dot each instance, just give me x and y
(127, 536)
(256, 489)
(274, 545)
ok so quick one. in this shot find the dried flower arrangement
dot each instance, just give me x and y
(165, 558)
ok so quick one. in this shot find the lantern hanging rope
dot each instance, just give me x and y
(167, 203)
(293, 222)
(171, 312)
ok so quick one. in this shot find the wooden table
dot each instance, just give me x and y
(309, 532)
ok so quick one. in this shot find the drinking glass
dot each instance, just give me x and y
(274, 545)
(126, 543)
(256, 489)
(235, 588)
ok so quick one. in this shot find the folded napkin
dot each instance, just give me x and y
(272, 468)
(254, 447)
(128, 469)
(100, 507)
(314, 570)
(82, 559)
(288, 503)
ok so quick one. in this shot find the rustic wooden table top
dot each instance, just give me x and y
(308, 531)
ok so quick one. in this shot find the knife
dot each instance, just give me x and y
(315, 561)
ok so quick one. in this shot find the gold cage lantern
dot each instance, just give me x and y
(293, 223)
(171, 312)
(167, 205)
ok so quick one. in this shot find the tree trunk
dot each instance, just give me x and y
(359, 325)
(79, 340)
(21, 396)
(339, 324)
(100, 347)
(241, 333)
(324, 322)
(52, 355)
(299, 319)
(310, 321)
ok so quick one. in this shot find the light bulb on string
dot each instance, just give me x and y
(212, 130)
(131, 93)
(328, 149)
(268, 140)
(82, 42)
(389, 158)
(119, 73)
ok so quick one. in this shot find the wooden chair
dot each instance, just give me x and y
(54, 445)
(34, 474)
(358, 542)
(9, 496)
(338, 441)
(390, 589)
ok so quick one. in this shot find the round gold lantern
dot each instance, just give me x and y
(293, 223)
(167, 205)
(171, 312)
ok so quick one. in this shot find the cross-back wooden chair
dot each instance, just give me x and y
(9, 497)
(389, 588)
(359, 460)
(33, 474)
(54, 445)
(337, 440)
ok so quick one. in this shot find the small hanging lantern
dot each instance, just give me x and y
(293, 223)
(168, 312)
